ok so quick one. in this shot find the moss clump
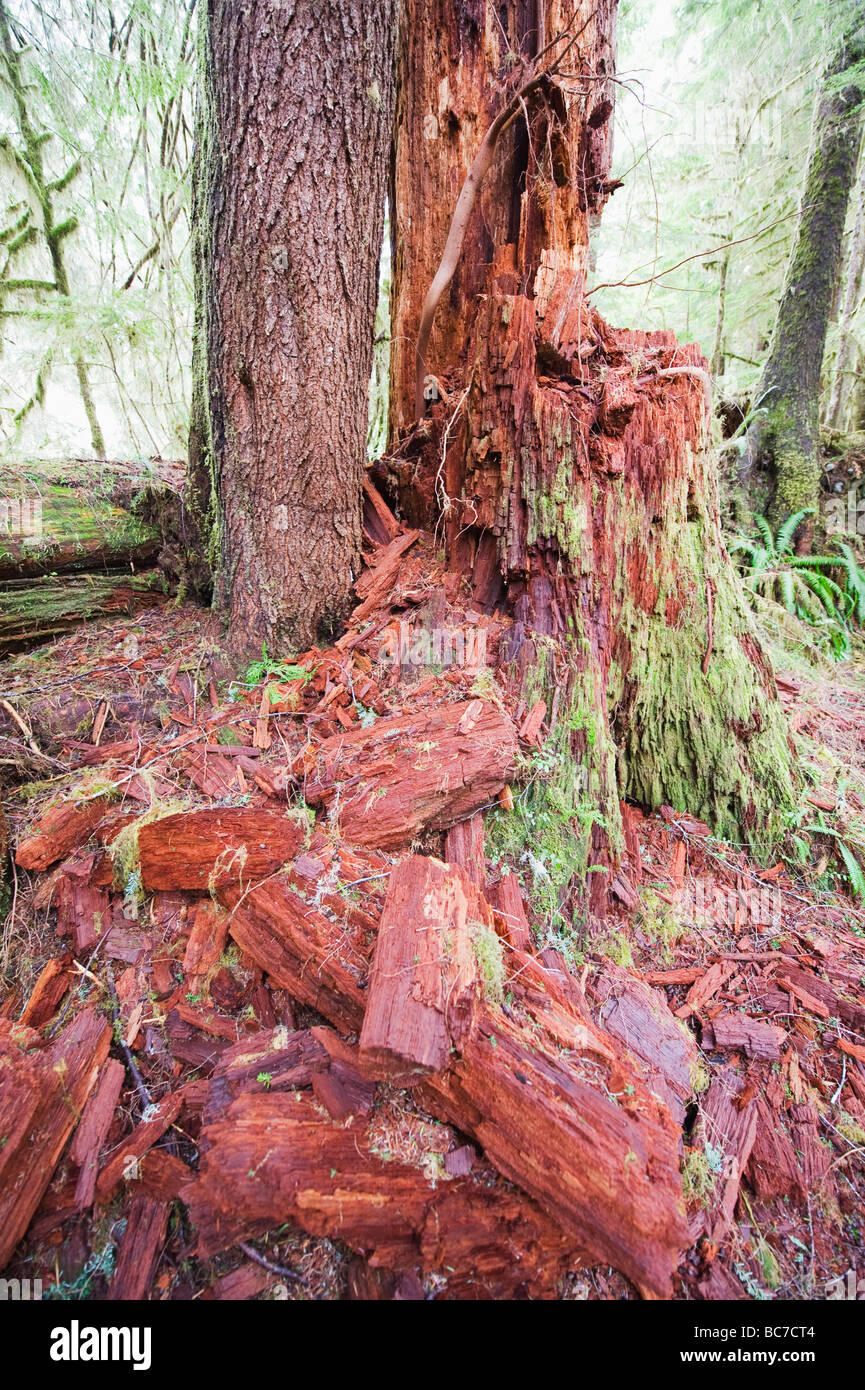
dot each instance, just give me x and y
(714, 743)
(698, 1178)
(490, 956)
(660, 922)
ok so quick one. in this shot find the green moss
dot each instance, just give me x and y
(490, 956)
(714, 745)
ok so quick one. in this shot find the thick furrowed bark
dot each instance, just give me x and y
(287, 267)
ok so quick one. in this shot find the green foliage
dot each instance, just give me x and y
(490, 956)
(803, 584)
(268, 669)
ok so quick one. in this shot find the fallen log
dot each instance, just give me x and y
(554, 1102)
(200, 849)
(35, 610)
(67, 516)
(80, 538)
(265, 1162)
(391, 782)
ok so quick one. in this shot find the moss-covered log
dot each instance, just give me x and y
(34, 610)
(80, 538)
(780, 470)
(571, 462)
(60, 516)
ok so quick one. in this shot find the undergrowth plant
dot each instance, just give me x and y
(804, 584)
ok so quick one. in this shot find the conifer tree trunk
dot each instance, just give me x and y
(294, 125)
(780, 471)
(843, 374)
(570, 460)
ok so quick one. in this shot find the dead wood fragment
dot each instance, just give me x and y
(265, 1161)
(60, 831)
(464, 845)
(140, 1248)
(758, 1040)
(424, 986)
(509, 911)
(640, 1018)
(200, 849)
(413, 773)
(542, 1116)
(93, 1130)
(42, 1094)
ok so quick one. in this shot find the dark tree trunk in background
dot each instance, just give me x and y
(571, 461)
(843, 374)
(780, 471)
(293, 136)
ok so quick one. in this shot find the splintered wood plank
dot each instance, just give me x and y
(83, 907)
(640, 1018)
(727, 1121)
(758, 1040)
(537, 1099)
(424, 987)
(93, 1130)
(375, 584)
(200, 849)
(60, 831)
(302, 951)
(123, 1166)
(379, 523)
(42, 1094)
(413, 773)
(140, 1248)
(267, 1159)
(773, 1169)
(206, 942)
(48, 990)
(464, 845)
(509, 910)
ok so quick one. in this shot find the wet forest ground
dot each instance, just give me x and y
(741, 987)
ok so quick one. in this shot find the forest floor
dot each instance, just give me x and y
(126, 728)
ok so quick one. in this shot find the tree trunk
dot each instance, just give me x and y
(294, 123)
(570, 461)
(842, 378)
(781, 465)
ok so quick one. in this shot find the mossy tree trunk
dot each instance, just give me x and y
(570, 461)
(294, 123)
(780, 470)
(843, 373)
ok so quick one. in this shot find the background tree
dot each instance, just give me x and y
(106, 92)
(295, 109)
(569, 462)
(783, 437)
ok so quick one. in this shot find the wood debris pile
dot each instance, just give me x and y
(289, 988)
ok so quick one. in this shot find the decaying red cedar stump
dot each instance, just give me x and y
(571, 461)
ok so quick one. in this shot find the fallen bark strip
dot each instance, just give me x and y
(140, 1249)
(417, 772)
(42, 1093)
(599, 1157)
